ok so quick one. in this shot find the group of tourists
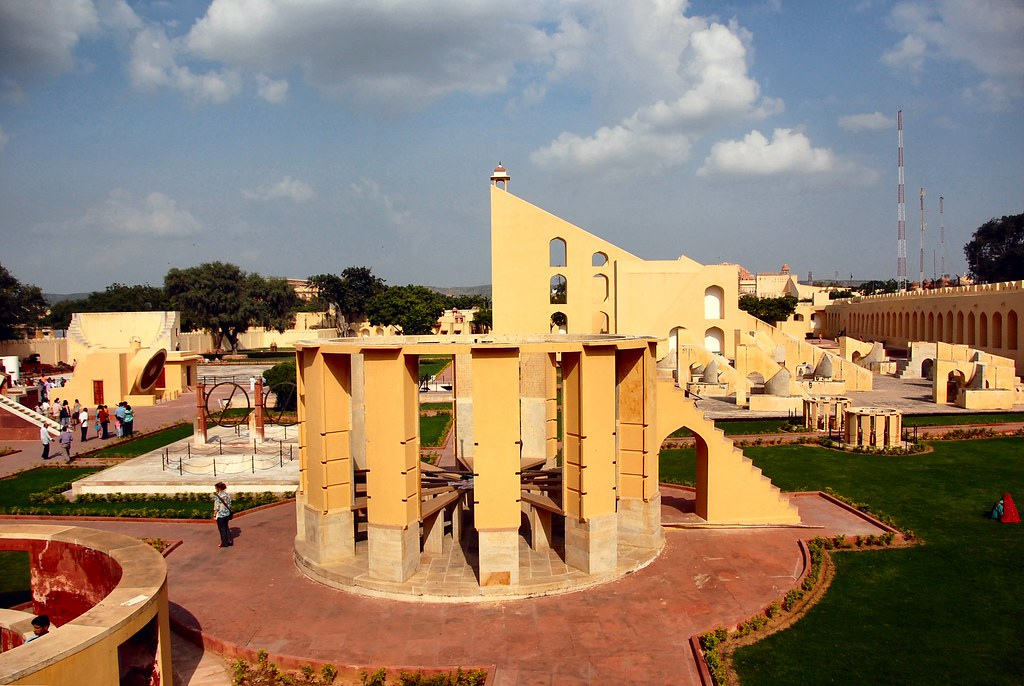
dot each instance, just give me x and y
(71, 417)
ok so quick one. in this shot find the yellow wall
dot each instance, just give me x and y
(988, 317)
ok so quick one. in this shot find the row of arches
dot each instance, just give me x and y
(983, 329)
(559, 322)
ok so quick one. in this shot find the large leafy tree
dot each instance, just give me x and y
(224, 300)
(414, 309)
(116, 298)
(348, 293)
(996, 252)
(769, 310)
(20, 305)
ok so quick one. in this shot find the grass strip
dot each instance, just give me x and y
(145, 444)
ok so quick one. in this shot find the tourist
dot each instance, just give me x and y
(44, 437)
(129, 420)
(119, 418)
(103, 419)
(75, 411)
(222, 512)
(40, 627)
(83, 421)
(55, 409)
(65, 415)
(65, 439)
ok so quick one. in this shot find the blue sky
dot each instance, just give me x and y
(296, 137)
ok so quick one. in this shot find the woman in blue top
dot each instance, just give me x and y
(222, 512)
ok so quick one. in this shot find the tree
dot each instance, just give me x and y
(874, 286)
(836, 295)
(225, 301)
(483, 321)
(116, 298)
(414, 309)
(20, 305)
(281, 380)
(769, 310)
(996, 251)
(348, 293)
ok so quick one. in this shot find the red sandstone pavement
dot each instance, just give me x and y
(634, 630)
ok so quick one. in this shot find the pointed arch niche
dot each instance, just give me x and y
(714, 302)
(557, 252)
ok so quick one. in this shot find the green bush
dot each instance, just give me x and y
(281, 379)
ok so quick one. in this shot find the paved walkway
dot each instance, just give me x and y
(634, 630)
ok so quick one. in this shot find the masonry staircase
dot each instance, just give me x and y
(730, 489)
(28, 414)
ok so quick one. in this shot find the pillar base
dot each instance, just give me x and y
(640, 522)
(591, 546)
(325, 538)
(499, 557)
(394, 551)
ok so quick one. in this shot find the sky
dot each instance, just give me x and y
(300, 137)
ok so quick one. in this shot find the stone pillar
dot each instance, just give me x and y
(392, 457)
(325, 528)
(589, 490)
(258, 415)
(496, 463)
(639, 506)
(540, 529)
(462, 392)
(200, 423)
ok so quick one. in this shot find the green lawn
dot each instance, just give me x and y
(433, 365)
(15, 585)
(947, 612)
(955, 419)
(143, 445)
(434, 429)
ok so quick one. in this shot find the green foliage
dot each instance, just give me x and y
(281, 380)
(226, 301)
(349, 293)
(21, 305)
(875, 287)
(996, 251)
(413, 309)
(836, 295)
(433, 430)
(769, 310)
(116, 298)
(483, 320)
(377, 678)
(144, 444)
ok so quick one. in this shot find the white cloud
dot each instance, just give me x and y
(155, 216)
(272, 90)
(875, 121)
(154, 63)
(369, 201)
(710, 77)
(286, 189)
(985, 34)
(39, 38)
(788, 153)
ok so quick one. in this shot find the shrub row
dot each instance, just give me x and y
(457, 678)
(266, 673)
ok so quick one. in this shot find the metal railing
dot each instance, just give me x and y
(221, 459)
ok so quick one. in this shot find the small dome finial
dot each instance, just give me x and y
(500, 176)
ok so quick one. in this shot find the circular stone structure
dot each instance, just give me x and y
(517, 510)
(876, 428)
(826, 413)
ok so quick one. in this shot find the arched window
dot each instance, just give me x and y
(559, 290)
(559, 323)
(949, 327)
(983, 330)
(970, 328)
(714, 297)
(959, 328)
(600, 322)
(600, 288)
(557, 252)
(714, 340)
(1011, 330)
(997, 330)
(930, 332)
(599, 259)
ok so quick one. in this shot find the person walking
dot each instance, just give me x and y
(65, 439)
(83, 422)
(222, 513)
(44, 437)
(103, 417)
